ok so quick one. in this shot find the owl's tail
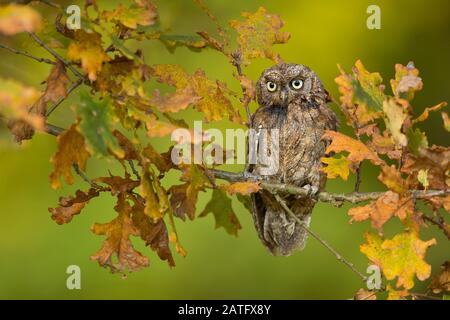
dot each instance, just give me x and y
(278, 231)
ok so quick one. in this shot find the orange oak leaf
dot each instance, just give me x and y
(117, 252)
(71, 151)
(243, 188)
(383, 209)
(392, 179)
(357, 150)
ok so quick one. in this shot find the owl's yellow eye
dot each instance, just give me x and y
(297, 84)
(271, 86)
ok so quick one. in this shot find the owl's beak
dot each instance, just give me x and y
(284, 96)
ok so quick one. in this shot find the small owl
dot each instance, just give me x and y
(291, 99)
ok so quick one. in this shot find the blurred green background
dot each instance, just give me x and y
(35, 252)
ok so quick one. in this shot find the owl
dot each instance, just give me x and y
(292, 99)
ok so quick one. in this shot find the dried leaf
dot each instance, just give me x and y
(71, 206)
(363, 294)
(406, 82)
(15, 18)
(392, 179)
(441, 282)
(426, 113)
(71, 151)
(162, 162)
(257, 34)
(401, 257)
(220, 207)
(416, 140)
(118, 243)
(154, 234)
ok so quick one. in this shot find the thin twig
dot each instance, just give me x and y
(56, 55)
(62, 98)
(440, 224)
(358, 178)
(26, 54)
(318, 238)
(133, 168)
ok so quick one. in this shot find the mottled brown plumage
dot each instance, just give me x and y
(292, 99)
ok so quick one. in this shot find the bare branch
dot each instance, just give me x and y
(26, 54)
(334, 198)
(61, 99)
(56, 55)
(318, 238)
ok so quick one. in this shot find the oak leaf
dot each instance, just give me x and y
(362, 93)
(117, 252)
(141, 12)
(96, 126)
(446, 120)
(71, 206)
(383, 209)
(15, 18)
(154, 234)
(395, 115)
(71, 151)
(402, 257)
(336, 167)
(213, 100)
(220, 207)
(441, 282)
(407, 81)
(87, 48)
(426, 113)
(257, 34)
(357, 150)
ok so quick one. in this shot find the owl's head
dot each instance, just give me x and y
(285, 83)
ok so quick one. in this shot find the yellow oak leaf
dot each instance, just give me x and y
(396, 114)
(15, 18)
(392, 179)
(401, 257)
(88, 49)
(258, 33)
(337, 167)
(213, 96)
(141, 12)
